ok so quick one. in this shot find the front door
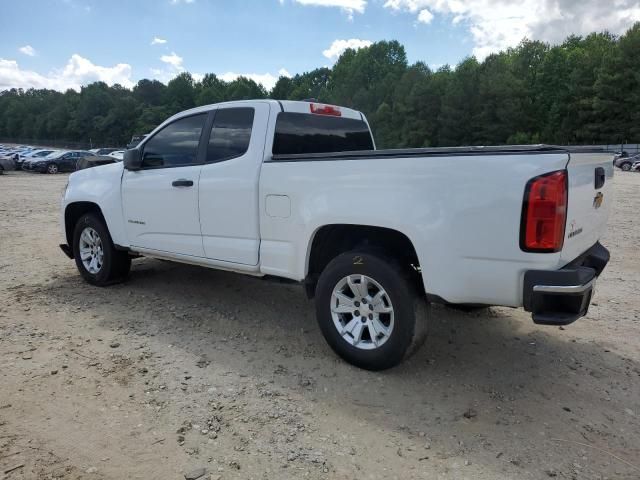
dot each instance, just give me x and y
(160, 201)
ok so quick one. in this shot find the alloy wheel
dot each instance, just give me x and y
(91, 251)
(362, 312)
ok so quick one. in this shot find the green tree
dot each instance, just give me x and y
(180, 94)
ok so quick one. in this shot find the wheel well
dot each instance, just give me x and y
(72, 214)
(332, 240)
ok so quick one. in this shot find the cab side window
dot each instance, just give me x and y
(230, 134)
(175, 145)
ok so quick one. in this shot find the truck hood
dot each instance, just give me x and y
(110, 172)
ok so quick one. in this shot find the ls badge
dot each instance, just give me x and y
(597, 200)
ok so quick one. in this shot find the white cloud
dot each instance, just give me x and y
(425, 16)
(498, 24)
(158, 41)
(178, 2)
(77, 72)
(174, 66)
(338, 47)
(349, 6)
(28, 50)
(267, 80)
(174, 60)
(163, 74)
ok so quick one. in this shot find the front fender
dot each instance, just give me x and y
(100, 186)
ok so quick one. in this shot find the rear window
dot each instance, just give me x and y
(305, 133)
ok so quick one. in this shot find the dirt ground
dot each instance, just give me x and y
(182, 368)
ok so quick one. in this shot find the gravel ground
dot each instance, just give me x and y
(183, 368)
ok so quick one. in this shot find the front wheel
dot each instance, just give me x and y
(626, 167)
(366, 309)
(52, 168)
(96, 257)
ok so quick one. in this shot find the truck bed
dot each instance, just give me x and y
(436, 152)
(462, 214)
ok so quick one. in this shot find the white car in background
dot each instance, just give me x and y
(118, 154)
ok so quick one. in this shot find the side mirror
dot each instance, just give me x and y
(132, 159)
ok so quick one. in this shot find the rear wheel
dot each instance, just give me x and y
(52, 168)
(366, 310)
(96, 257)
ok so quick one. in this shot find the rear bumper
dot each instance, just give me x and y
(562, 296)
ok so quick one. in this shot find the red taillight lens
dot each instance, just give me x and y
(330, 110)
(544, 213)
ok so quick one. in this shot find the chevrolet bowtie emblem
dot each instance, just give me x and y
(597, 200)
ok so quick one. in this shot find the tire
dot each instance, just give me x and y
(112, 266)
(52, 168)
(625, 166)
(380, 274)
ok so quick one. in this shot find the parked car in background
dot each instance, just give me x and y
(625, 163)
(32, 155)
(95, 161)
(135, 140)
(636, 166)
(64, 161)
(118, 154)
(17, 153)
(6, 164)
(10, 153)
(103, 151)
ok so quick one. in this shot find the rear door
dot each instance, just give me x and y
(160, 201)
(229, 204)
(590, 198)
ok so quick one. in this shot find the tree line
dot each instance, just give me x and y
(583, 91)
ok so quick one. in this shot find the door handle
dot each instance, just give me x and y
(182, 183)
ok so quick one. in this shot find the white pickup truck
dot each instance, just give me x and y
(297, 190)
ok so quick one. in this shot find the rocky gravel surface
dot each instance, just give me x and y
(188, 373)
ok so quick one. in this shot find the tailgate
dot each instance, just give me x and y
(589, 201)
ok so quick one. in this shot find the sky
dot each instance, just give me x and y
(62, 44)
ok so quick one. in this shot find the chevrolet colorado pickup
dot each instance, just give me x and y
(297, 190)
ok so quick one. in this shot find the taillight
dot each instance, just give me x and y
(330, 110)
(544, 213)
